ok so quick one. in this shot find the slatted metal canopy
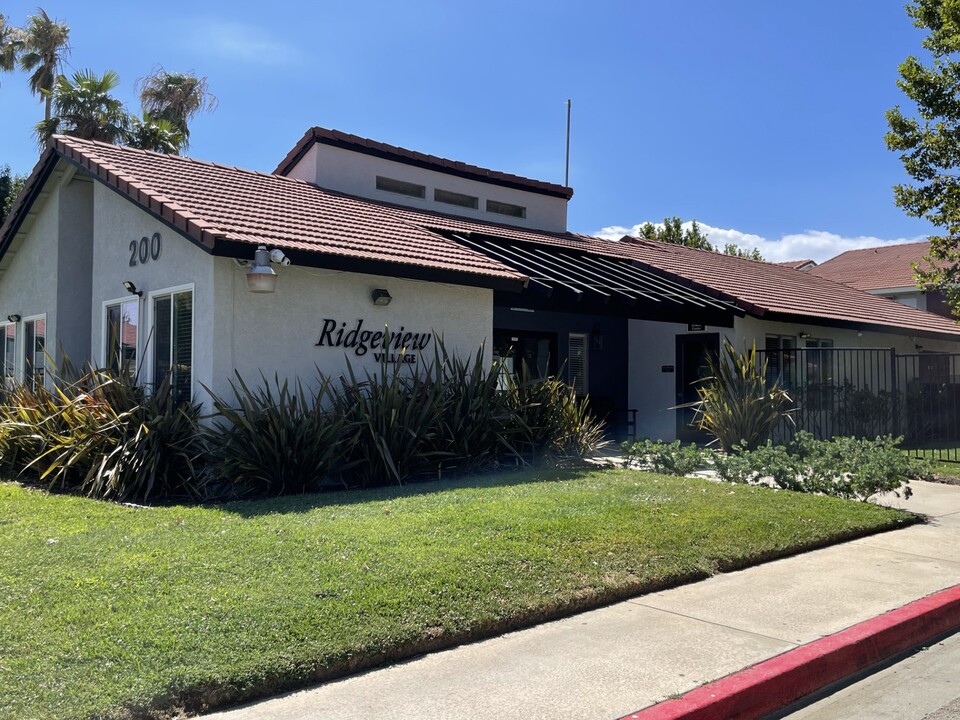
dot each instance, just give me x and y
(585, 277)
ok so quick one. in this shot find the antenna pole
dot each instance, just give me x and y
(566, 176)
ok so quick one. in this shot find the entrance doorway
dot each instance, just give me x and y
(535, 350)
(693, 352)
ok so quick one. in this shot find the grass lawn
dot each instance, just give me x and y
(110, 611)
(940, 467)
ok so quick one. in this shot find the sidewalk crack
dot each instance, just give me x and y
(717, 624)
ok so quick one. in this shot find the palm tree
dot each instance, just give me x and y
(85, 109)
(150, 133)
(176, 98)
(11, 41)
(44, 46)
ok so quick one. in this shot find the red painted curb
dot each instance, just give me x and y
(779, 681)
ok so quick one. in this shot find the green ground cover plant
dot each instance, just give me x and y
(113, 611)
(850, 468)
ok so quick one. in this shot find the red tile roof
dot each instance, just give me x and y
(209, 202)
(879, 268)
(763, 289)
(411, 157)
(760, 288)
(804, 264)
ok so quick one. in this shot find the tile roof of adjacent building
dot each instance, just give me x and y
(760, 288)
(804, 264)
(877, 268)
(212, 203)
(765, 290)
(412, 157)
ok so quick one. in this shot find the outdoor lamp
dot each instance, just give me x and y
(14, 318)
(131, 288)
(261, 278)
(381, 297)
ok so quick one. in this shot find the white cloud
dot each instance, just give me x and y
(242, 43)
(816, 245)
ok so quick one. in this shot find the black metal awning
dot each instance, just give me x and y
(574, 280)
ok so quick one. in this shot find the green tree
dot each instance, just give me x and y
(731, 249)
(10, 186)
(44, 45)
(85, 108)
(929, 144)
(176, 98)
(11, 42)
(150, 133)
(672, 231)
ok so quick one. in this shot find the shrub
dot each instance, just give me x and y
(393, 417)
(474, 414)
(668, 458)
(548, 420)
(736, 405)
(844, 467)
(276, 440)
(103, 435)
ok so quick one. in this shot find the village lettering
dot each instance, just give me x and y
(393, 347)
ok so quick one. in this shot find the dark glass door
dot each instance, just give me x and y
(693, 352)
(535, 350)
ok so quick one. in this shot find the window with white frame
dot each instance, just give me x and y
(8, 353)
(122, 321)
(34, 351)
(173, 342)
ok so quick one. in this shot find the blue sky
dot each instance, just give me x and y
(762, 120)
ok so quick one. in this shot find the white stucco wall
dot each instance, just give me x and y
(278, 332)
(28, 286)
(652, 345)
(116, 223)
(356, 174)
(273, 333)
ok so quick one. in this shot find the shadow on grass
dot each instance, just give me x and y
(426, 486)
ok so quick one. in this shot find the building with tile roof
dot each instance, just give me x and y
(112, 253)
(887, 271)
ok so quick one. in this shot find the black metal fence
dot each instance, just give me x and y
(868, 392)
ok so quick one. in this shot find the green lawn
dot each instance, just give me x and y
(939, 466)
(108, 611)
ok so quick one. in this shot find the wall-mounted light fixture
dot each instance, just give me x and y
(804, 336)
(131, 288)
(381, 297)
(260, 277)
(14, 318)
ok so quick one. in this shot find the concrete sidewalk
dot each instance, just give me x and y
(610, 662)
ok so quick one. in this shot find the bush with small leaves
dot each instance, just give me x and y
(668, 458)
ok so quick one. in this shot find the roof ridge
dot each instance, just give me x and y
(397, 153)
(174, 157)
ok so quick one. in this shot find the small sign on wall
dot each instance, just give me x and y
(696, 327)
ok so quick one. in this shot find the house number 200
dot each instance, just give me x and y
(144, 250)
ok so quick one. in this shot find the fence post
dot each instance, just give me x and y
(894, 393)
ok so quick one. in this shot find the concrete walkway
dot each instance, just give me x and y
(608, 663)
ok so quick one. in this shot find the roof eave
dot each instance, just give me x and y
(376, 149)
(864, 326)
(24, 201)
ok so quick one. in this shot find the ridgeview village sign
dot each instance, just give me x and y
(393, 347)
